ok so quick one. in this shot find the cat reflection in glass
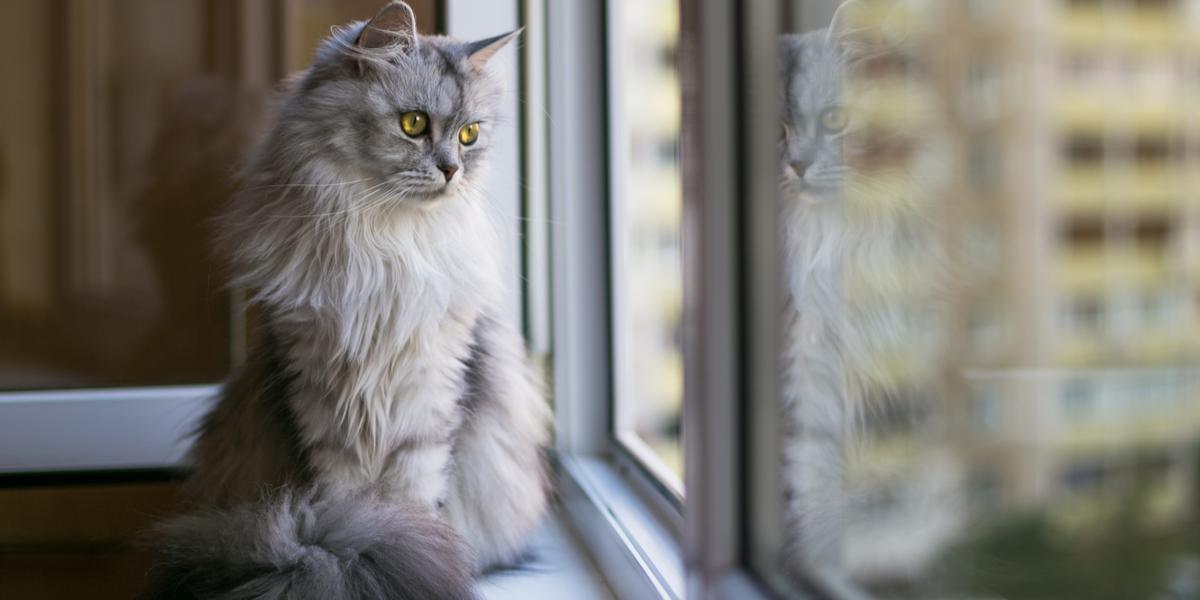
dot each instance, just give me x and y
(854, 197)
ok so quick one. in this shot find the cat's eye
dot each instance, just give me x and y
(834, 120)
(468, 134)
(414, 123)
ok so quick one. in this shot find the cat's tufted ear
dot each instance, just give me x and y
(478, 53)
(860, 36)
(394, 27)
(841, 16)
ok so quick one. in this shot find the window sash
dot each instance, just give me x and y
(622, 514)
(625, 439)
(730, 296)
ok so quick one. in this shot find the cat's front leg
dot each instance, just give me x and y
(416, 473)
(498, 485)
(400, 460)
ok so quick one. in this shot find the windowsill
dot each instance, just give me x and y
(559, 563)
(631, 543)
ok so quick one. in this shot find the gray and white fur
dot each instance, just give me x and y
(832, 239)
(384, 438)
(811, 229)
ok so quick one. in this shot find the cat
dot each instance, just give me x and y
(833, 237)
(384, 439)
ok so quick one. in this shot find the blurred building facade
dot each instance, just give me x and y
(1064, 201)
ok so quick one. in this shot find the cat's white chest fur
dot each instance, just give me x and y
(396, 351)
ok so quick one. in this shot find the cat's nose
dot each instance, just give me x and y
(448, 171)
(801, 167)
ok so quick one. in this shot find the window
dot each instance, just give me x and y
(1084, 316)
(645, 226)
(1078, 399)
(614, 241)
(1041, 448)
(1084, 150)
(988, 408)
(115, 148)
(104, 218)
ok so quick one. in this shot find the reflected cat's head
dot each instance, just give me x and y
(815, 121)
(408, 115)
(822, 138)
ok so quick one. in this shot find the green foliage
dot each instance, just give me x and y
(1121, 557)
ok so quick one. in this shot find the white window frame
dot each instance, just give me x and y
(646, 546)
(630, 526)
(113, 429)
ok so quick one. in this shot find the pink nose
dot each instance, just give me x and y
(448, 171)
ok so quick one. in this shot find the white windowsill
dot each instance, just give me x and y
(631, 543)
(560, 568)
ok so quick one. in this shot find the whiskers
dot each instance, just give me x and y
(372, 194)
(350, 197)
(289, 186)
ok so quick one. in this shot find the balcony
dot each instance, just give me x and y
(1093, 269)
(1089, 112)
(1150, 188)
(1088, 28)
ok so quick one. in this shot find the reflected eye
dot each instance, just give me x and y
(414, 123)
(834, 120)
(468, 134)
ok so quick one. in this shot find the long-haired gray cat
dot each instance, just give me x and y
(384, 439)
(844, 220)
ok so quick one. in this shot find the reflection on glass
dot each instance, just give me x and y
(988, 232)
(646, 201)
(118, 137)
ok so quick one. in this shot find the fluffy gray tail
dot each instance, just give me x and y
(296, 547)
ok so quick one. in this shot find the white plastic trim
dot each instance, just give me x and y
(129, 428)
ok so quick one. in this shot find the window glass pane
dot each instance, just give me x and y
(989, 232)
(120, 127)
(645, 211)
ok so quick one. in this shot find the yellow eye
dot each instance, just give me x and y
(468, 134)
(414, 123)
(834, 120)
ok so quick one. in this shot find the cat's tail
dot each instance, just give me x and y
(297, 547)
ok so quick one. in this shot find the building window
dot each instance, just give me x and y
(1078, 399)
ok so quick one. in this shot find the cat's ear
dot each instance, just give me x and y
(841, 16)
(862, 39)
(478, 53)
(394, 27)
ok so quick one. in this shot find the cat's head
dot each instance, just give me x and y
(821, 137)
(411, 116)
(815, 120)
